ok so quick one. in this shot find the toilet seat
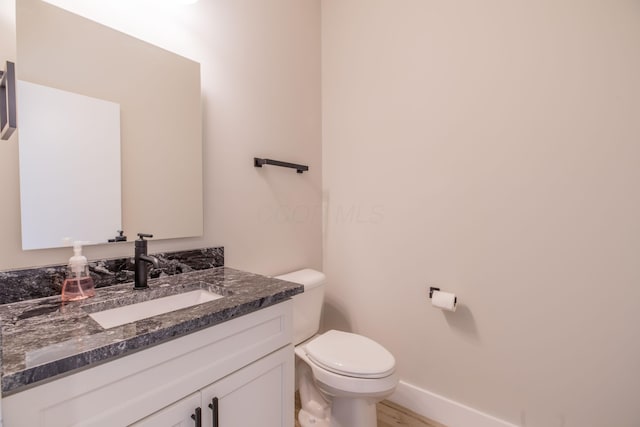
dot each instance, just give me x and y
(351, 355)
(341, 385)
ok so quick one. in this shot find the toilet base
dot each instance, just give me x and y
(344, 413)
(315, 409)
(347, 412)
(308, 420)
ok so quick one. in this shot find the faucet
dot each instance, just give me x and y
(141, 261)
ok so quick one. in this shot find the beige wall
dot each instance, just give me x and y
(490, 148)
(9, 194)
(260, 65)
(8, 31)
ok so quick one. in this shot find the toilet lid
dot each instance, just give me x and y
(351, 355)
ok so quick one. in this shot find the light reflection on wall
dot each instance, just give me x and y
(164, 23)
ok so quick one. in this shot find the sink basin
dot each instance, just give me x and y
(143, 310)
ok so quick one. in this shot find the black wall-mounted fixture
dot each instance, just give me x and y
(8, 115)
(259, 162)
(119, 238)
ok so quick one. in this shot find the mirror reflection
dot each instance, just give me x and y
(80, 192)
(158, 94)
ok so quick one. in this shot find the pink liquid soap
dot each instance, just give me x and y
(75, 289)
(78, 284)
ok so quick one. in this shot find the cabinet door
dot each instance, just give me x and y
(178, 414)
(260, 394)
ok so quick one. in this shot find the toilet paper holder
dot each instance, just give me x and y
(433, 289)
(442, 300)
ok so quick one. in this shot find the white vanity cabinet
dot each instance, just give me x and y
(247, 363)
(251, 396)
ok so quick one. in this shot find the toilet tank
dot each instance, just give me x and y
(307, 306)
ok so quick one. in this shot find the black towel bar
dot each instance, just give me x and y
(259, 162)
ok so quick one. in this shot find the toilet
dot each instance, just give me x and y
(340, 375)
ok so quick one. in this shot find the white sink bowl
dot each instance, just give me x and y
(143, 310)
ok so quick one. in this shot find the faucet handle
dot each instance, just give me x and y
(143, 235)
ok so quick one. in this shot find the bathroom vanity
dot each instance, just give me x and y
(229, 359)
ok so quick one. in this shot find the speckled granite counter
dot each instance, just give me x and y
(43, 338)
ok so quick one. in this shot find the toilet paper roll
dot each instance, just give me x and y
(444, 300)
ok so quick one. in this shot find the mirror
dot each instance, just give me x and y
(158, 94)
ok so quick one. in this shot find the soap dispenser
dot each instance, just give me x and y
(78, 284)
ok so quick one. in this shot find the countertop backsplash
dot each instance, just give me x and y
(39, 282)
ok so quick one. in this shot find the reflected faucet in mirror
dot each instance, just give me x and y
(119, 238)
(141, 261)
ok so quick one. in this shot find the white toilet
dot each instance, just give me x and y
(341, 376)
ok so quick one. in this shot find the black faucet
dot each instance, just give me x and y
(141, 260)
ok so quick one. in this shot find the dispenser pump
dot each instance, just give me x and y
(78, 262)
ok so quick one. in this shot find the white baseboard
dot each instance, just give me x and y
(441, 409)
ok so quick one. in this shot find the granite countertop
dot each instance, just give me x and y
(44, 338)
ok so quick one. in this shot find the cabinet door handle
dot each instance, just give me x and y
(214, 408)
(197, 417)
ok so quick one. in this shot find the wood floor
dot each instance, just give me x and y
(392, 415)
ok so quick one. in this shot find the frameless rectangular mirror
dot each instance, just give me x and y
(160, 121)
